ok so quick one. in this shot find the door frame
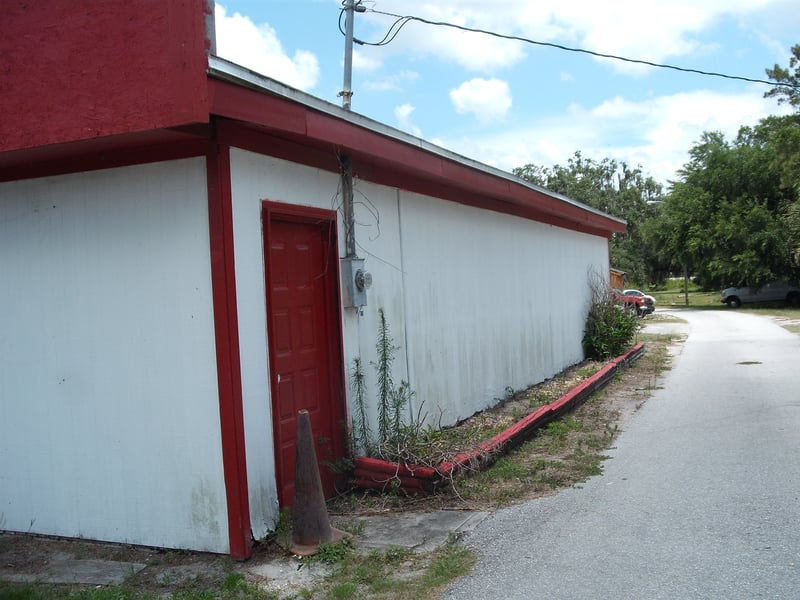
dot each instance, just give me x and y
(326, 220)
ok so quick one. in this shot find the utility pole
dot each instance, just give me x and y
(350, 7)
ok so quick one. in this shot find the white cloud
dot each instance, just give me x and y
(652, 31)
(403, 115)
(393, 82)
(258, 48)
(474, 51)
(487, 99)
(656, 133)
(365, 62)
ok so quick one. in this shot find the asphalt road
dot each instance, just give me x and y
(701, 496)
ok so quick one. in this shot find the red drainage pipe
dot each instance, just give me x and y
(373, 473)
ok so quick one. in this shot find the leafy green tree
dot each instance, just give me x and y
(787, 139)
(614, 188)
(725, 216)
(790, 78)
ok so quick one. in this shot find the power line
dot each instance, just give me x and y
(402, 20)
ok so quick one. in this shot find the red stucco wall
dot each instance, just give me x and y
(78, 70)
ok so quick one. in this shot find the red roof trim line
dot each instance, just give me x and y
(376, 154)
(240, 135)
(100, 153)
(226, 332)
(468, 191)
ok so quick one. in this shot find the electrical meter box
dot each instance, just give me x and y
(355, 282)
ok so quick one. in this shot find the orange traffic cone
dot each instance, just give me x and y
(310, 524)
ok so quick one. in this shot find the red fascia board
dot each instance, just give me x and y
(458, 182)
(265, 110)
(380, 158)
(293, 150)
(502, 201)
(103, 153)
(366, 143)
(480, 185)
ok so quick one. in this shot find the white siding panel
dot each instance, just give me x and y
(256, 178)
(476, 301)
(108, 390)
(493, 301)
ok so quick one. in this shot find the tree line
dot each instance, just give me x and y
(732, 215)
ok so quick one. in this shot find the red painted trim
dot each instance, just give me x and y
(300, 214)
(276, 126)
(377, 474)
(544, 414)
(226, 329)
(82, 157)
(249, 106)
(260, 142)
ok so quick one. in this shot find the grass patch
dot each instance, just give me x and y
(397, 574)
(233, 587)
(660, 317)
(671, 294)
(697, 299)
(588, 370)
(569, 450)
(562, 454)
(333, 553)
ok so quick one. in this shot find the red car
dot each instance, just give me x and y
(642, 304)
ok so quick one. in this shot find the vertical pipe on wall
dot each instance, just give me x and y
(412, 404)
(348, 218)
(350, 7)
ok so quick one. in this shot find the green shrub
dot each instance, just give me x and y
(610, 329)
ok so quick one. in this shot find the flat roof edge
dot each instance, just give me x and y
(225, 70)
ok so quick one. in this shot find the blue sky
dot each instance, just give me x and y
(508, 103)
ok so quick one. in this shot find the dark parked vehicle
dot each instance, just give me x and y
(774, 291)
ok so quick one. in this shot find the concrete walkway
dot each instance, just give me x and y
(421, 532)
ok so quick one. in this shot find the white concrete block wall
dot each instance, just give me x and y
(109, 418)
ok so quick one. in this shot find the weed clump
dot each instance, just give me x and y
(392, 400)
(402, 436)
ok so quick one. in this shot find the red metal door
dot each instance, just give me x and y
(304, 338)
